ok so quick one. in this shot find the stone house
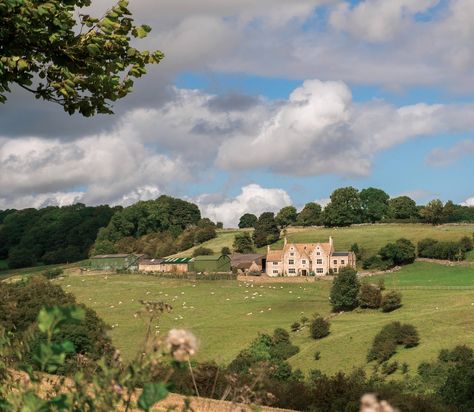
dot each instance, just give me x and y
(168, 265)
(304, 259)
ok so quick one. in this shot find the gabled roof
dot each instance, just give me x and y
(274, 255)
(237, 258)
(176, 260)
(341, 253)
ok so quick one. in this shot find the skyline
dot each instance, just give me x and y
(262, 105)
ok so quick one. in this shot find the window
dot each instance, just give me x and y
(319, 261)
(318, 253)
(292, 254)
(342, 261)
(335, 261)
(275, 272)
(291, 262)
(319, 270)
(335, 270)
(291, 271)
(303, 262)
(275, 263)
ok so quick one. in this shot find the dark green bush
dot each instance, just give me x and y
(319, 327)
(391, 301)
(370, 296)
(202, 251)
(345, 290)
(389, 368)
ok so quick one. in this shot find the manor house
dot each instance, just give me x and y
(303, 259)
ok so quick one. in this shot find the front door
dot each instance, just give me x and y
(303, 272)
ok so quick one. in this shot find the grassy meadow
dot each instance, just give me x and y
(369, 237)
(227, 315)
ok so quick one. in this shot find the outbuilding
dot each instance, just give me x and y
(210, 264)
(124, 261)
(248, 262)
(167, 265)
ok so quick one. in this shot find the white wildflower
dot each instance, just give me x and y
(181, 344)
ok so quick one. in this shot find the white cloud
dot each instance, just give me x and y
(469, 202)
(445, 157)
(377, 20)
(252, 199)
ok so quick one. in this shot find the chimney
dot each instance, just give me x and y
(331, 243)
(285, 241)
(268, 248)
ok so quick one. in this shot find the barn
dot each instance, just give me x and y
(168, 265)
(124, 261)
(210, 264)
(248, 262)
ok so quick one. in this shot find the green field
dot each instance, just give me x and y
(370, 237)
(227, 315)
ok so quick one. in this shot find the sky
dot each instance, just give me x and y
(262, 104)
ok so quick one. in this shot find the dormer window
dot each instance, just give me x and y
(292, 254)
(318, 253)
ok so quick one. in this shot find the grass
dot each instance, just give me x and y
(227, 315)
(369, 237)
(5, 274)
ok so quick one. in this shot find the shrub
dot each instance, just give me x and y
(370, 296)
(295, 327)
(385, 342)
(389, 368)
(458, 389)
(319, 327)
(432, 249)
(225, 251)
(243, 243)
(376, 263)
(401, 252)
(391, 301)
(466, 244)
(52, 273)
(317, 355)
(405, 368)
(344, 290)
(202, 251)
(304, 320)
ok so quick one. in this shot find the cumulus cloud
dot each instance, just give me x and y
(320, 130)
(377, 20)
(252, 199)
(444, 157)
(469, 202)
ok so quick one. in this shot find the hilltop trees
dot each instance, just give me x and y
(243, 243)
(286, 216)
(266, 230)
(247, 220)
(344, 209)
(403, 207)
(401, 252)
(374, 204)
(433, 212)
(310, 215)
(78, 61)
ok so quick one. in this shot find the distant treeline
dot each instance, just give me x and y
(350, 206)
(50, 235)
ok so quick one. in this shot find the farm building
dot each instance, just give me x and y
(168, 265)
(210, 264)
(115, 262)
(248, 262)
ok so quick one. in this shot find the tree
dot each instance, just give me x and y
(401, 252)
(266, 230)
(458, 389)
(225, 251)
(310, 215)
(344, 209)
(345, 290)
(433, 212)
(243, 243)
(286, 216)
(449, 211)
(391, 301)
(202, 251)
(248, 220)
(319, 327)
(78, 61)
(374, 204)
(403, 207)
(370, 296)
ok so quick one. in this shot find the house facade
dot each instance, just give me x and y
(304, 259)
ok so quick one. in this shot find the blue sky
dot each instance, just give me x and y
(261, 104)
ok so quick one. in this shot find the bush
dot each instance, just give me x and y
(389, 368)
(345, 290)
(319, 327)
(370, 296)
(385, 342)
(432, 249)
(225, 251)
(52, 273)
(202, 251)
(376, 263)
(295, 327)
(401, 252)
(466, 244)
(458, 389)
(391, 301)
(317, 355)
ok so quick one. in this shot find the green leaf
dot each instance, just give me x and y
(93, 49)
(152, 393)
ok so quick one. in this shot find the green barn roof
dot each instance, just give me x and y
(176, 260)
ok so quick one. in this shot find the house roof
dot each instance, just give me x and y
(308, 248)
(341, 253)
(238, 258)
(120, 255)
(274, 255)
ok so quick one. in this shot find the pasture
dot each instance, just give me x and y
(227, 315)
(369, 237)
